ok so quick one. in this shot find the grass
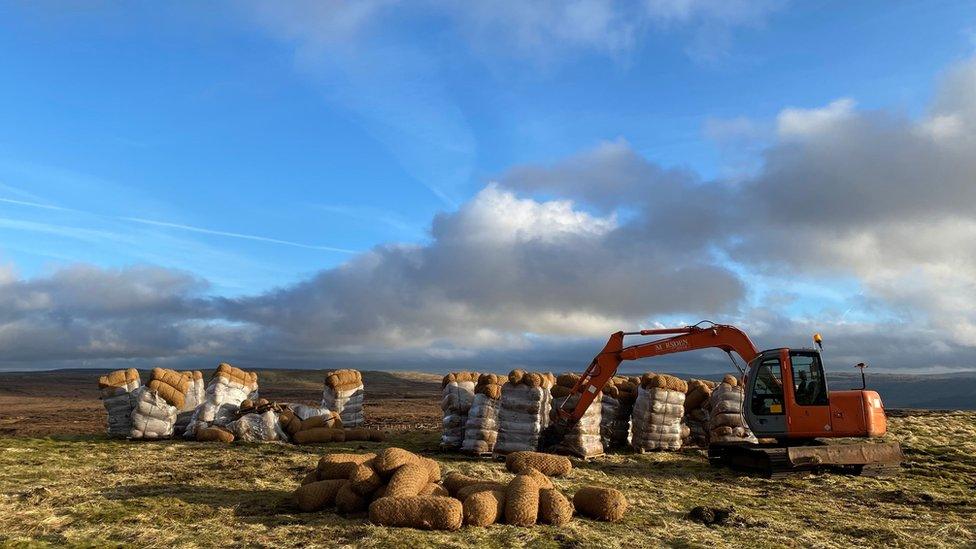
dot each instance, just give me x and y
(90, 491)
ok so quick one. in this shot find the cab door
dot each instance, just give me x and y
(764, 405)
(808, 401)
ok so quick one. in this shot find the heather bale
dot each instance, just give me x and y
(214, 434)
(319, 435)
(434, 490)
(364, 480)
(599, 503)
(317, 495)
(310, 477)
(465, 492)
(423, 512)
(408, 480)
(347, 501)
(433, 469)
(542, 480)
(389, 460)
(522, 501)
(454, 481)
(554, 507)
(547, 464)
(341, 465)
(484, 508)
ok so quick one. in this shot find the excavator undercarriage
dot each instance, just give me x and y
(881, 459)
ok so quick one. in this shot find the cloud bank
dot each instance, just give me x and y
(566, 252)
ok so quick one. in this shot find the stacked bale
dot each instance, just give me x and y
(617, 406)
(583, 438)
(457, 389)
(481, 427)
(657, 413)
(228, 388)
(158, 403)
(524, 410)
(547, 464)
(697, 412)
(344, 394)
(726, 423)
(118, 394)
(193, 398)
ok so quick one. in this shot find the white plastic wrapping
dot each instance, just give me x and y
(726, 422)
(458, 396)
(348, 403)
(221, 401)
(119, 403)
(522, 415)
(481, 427)
(152, 417)
(656, 419)
(583, 438)
(258, 428)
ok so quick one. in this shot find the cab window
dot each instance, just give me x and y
(767, 397)
(809, 386)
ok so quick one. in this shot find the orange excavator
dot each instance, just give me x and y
(786, 403)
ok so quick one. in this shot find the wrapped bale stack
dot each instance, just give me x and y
(726, 422)
(524, 410)
(118, 391)
(344, 394)
(228, 388)
(657, 413)
(617, 405)
(158, 403)
(583, 439)
(481, 427)
(457, 389)
(194, 398)
(259, 425)
(697, 412)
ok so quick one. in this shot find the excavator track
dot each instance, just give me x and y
(784, 461)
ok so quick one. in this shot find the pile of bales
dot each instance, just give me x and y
(697, 411)
(457, 397)
(229, 408)
(617, 406)
(481, 426)
(658, 410)
(583, 438)
(402, 489)
(524, 410)
(726, 422)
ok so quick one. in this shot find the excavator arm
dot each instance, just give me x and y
(604, 365)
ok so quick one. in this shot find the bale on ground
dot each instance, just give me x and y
(348, 501)
(329, 420)
(424, 512)
(333, 466)
(554, 507)
(317, 495)
(310, 477)
(522, 501)
(364, 480)
(465, 492)
(434, 490)
(600, 503)
(408, 480)
(547, 464)
(319, 434)
(484, 508)
(433, 469)
(372, 435)
(542, 480)
(454, 481)
(214, 434)
(389, 460)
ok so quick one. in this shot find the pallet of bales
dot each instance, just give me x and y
(656, 419)
(194, 398)
(344, 394)
(524, 410)
(583, 438)
(457, 396)
(697, 412)
(726, 422)
(118, 395)
(616, 407)
(158, 403)
(227, 389)
(481, 427)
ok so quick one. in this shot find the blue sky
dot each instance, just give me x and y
(256, 147)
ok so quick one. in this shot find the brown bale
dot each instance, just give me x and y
(317, 495)
(423, 512)
(522, 501)
(548, 464)
(532, 379)
(600, 503)
(389, 460)
(332, 466)
(290, 422)
(675, 384)
(408, 480)
(454, 481)
(484, 508)
(560, 391)
(542, 480)
(448, 378)
(515, 376)
(327, 420)
(434, 490)
(214, 434)
(364, 480)
(379, 493)
(170, 394)
(493, 392)
(312, 476)
(340, 380)
(348, 501)
(433, 469)
(464, 492)
(319, 434)
(554, 507)
(567, 380)
(172, 378)
(118, 378)
(730, 379)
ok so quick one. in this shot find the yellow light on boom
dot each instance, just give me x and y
(817, 339)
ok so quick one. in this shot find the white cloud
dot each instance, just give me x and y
(795, 122)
